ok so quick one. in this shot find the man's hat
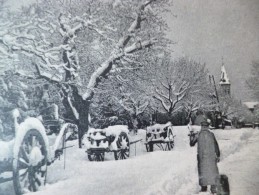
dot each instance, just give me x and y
(205, 122)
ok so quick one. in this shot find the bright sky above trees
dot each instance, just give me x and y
(208, 30)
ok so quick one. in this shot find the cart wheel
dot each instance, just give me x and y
(170, 144)
(123, 147)
(96, 156)
(30, 163)
(149, 147)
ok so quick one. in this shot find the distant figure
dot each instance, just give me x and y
(208, 156)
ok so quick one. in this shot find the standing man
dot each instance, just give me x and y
(208, 156)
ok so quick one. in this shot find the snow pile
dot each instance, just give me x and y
(97, 136)
(158, 128)
(231, 141)
(116, 130)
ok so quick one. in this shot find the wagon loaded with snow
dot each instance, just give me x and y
(111, 139)
(24, 159)
(160, 135)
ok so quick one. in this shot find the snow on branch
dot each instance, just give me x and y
(47, 76)
(165, 106)
(142, 107)
(134, 25)
(139, 45)
(107, 66)
(132, 105)
(76, 114)
(169, 96)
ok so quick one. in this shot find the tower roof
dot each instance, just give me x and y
(224, 77)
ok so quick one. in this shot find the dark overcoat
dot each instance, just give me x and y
(208, 153)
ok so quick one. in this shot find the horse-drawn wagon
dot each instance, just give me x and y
(160, 135)
(24, 159)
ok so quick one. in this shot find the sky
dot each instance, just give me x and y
(209, 30)
(214, 32)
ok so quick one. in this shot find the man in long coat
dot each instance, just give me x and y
(208, 156)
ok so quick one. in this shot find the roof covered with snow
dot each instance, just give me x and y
(224, 77)
(251, 104)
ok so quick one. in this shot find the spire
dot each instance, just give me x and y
(224, 77)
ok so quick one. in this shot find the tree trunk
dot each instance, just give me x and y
(83, 122)
(82, 108)
(135, 123)
(68, 115)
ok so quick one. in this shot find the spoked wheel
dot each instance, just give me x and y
(170, 143)
(96, 156)
(123, 145)
(30, 163)
(149, 147)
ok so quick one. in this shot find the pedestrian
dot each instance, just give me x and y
(208, 156)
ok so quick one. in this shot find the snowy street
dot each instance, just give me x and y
(243, 168)
(160, 172)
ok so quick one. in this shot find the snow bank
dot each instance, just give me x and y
(231, 141)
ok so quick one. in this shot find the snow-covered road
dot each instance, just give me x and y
(159, 172)
(242, 168)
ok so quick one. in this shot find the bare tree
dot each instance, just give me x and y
(175, 81)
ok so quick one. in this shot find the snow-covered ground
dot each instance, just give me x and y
(159, 172)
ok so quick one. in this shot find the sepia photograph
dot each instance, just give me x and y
(129, 97)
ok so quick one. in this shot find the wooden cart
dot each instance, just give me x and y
(112, 139)
(160, 135)
(28, 154)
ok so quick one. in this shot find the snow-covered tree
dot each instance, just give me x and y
(59, 39)
(12, 95)
(202, 101)
(125, 95)
(178, 84)
(135, 105)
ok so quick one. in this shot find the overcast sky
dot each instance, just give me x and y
(207, 30)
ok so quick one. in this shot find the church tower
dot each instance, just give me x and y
(224, 81)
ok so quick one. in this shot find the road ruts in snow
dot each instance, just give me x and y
(184, 180)
(242, 168)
